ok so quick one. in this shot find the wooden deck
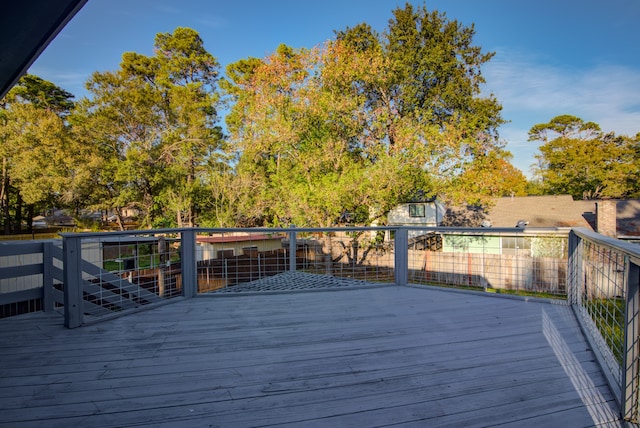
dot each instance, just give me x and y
(391, 356)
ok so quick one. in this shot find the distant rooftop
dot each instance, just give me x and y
(546, 211)
(541, 211)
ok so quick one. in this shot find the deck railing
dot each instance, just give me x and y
(604, 277)
(30, 277)
(108, 274)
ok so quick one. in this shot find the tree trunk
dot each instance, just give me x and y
(119, 218)
(327, 257)
(191, 213)
(4, 198)
(30, 210)
(18, 224)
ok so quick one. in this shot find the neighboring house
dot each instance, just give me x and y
(427, 212)
(221, 246)
(618, 219)
(615, 218)
(542, 242)
(627, 219)
(534, 211)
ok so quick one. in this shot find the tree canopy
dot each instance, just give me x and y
(364, 121)
(153, 124)
(577, 158)
(355, 125)
(36, 152)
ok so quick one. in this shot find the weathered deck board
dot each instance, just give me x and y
(365, 357)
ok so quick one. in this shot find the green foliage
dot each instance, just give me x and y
(153, 125)
(37, 153)
(549, 246)
(365, 121)
(356, 125)
(42, 94)
(576, 158)
(609, 317)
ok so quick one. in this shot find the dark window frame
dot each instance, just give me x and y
(417, 210)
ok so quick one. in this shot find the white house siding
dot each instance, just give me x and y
(400, 216)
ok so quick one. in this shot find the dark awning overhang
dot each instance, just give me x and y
(26, 29)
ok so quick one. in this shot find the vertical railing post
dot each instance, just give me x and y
(573, 269)
(630, 375)
(47, 277)
(188, 262)
(73, 298)
(401, 256)
(293, 246)
(162, 267)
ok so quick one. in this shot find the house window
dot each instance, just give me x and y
(251, 251)
(416, 210)
(516, 245)
(225, 253)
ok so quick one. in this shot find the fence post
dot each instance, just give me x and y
(189, 264)
(629, 387)
(401, 256)
(73, 298)
(47, 277)
(292, 249)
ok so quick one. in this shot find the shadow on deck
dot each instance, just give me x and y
(364, 356)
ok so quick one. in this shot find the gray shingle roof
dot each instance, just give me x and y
(538, 211)
(541, 211)
(545, 211)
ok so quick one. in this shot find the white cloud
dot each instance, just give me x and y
(532, 93)
(69, 81)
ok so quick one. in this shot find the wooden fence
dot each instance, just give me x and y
(497, 271)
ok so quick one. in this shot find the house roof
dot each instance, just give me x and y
(536, 211)
(26, 29)
(546, 211)
(542, 211)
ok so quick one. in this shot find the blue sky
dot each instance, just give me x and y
(579, 57)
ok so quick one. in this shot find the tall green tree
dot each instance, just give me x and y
(429, 92)
(154, 123)
(36, 151)
(577, 158)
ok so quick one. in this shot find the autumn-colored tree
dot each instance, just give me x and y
(490, 175)
(577, 158)
(363, 121)
(290, 150)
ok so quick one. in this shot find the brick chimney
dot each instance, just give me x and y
(606, 218)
